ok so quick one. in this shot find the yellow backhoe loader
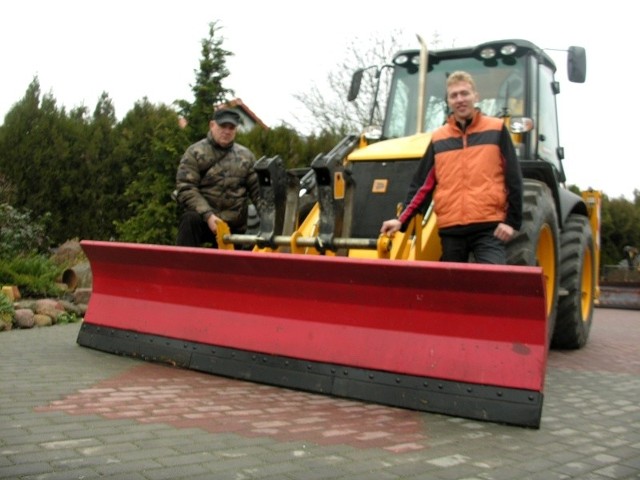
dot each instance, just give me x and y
(317, 300)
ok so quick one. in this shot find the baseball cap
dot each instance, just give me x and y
(225, 115)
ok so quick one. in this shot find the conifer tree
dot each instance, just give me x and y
(208, 89)
(150, 147)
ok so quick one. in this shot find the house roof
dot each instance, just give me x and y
(238, 104)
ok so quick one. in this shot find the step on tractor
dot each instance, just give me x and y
(315, 299)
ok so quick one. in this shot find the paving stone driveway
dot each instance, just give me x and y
(70, 412)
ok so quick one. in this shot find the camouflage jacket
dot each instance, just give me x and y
(211, 179)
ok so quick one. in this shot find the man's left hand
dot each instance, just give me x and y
(504, 232)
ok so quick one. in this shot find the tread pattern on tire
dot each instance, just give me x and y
(572, 330)
(538, 211)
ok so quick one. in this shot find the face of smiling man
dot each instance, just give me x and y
(462, 97)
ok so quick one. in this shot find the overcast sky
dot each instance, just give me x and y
(138, 48)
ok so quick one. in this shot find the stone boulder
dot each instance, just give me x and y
(69, 253)
(24, 318)
(42, 320)
(49, 307)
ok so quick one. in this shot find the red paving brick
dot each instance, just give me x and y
(152, 393)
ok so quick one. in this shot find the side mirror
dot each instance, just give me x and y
(577, 64)
(354, 89)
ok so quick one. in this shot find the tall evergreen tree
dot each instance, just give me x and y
(35, 147)
(106, 168)
(59, 165)
(17, 140)
(295, 150)
(76, 195)
(151, 144)
(208, 89)
(7, 190)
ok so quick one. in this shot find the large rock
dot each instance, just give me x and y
(24, 318)
(11, 292)
(42, 320)
(30, 312)
(29, 303)
(71, 307)
(69, 253)
(81, 296)
(48, 304)
(49, 307)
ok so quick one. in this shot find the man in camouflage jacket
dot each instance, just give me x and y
(215, 181)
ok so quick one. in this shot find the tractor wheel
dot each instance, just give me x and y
(577, 280)
(538, 242)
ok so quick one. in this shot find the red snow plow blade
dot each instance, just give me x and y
(458, 339)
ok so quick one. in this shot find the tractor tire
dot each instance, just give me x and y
(578, 282)
(538, 243)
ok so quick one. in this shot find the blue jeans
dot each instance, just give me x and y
(484, 246)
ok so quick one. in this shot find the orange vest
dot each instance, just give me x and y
(469, 171)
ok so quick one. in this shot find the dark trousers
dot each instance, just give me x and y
(193, 231)
(484, 246)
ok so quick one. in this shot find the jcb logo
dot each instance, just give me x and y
(380, 185)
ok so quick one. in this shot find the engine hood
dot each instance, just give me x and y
(408, 148)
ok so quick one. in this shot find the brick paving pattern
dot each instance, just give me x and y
(71, 412)
(185, 399)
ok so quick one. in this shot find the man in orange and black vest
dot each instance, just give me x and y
(472, 171)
